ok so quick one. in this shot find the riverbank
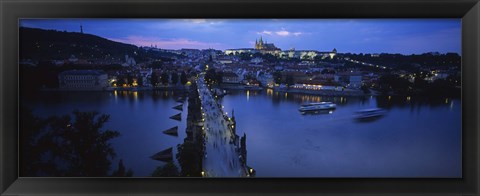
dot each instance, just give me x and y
(346, 92)
(162, 88)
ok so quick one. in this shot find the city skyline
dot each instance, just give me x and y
(405, 36)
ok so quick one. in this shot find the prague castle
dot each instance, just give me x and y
(264, 46)
(270, 48)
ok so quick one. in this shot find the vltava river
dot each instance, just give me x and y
(417, 137)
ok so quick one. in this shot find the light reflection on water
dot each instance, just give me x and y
(416, 138)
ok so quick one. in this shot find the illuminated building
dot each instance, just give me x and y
(270, 48)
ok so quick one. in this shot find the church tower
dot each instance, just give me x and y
(259, 44)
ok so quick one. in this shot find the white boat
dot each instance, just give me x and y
(315, 103)
(369, 113)
(318, 106)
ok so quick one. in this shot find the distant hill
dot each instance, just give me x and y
(42, 44)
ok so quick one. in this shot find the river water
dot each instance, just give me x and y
(418, 137)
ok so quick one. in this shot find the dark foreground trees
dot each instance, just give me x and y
(66, 146)
(168, 170)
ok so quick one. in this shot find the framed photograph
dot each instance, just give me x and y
(265, 97)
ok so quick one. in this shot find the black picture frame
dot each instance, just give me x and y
(11, 11)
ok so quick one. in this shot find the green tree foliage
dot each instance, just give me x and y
(183, 78)
(139, 80)
(164, 78)
(168, 170)
(174, 76)
(365, 89)
(442, 87)
(154, 79)
(401, 61)
(30, 133)
(214, 76)
(245, 56)
(120, 172)
(327, 71)
(277, 77)
(129, 79)
(190, 158)
(219, 77)
(42, 44)
(210, 75)
(156, 65)
(394, 83)
(289, 80)
(121, 81)
(44, 75)
(65, 146)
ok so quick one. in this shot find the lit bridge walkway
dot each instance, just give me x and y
(221, 155)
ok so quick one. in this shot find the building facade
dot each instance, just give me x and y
(83, 79)
(269, 48)
(349, 79)
(230, 77)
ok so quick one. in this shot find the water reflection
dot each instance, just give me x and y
(135, 95)
(269, 92)
(415, 133)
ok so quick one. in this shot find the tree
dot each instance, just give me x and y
(190, 158)
(120, 81)
(365, 89)
(66, 146)
(277, 77)
(129, 80)
(156, 65)
(120, 172)
(154, 78)
(245, 56)
(183, 78)
(327, 71)
(139, 80)
(174, 77)
(394, 83)
(30, 155)
(168, 170)
(164, 78)
(210, 75)
(289, 80)
(219, 77)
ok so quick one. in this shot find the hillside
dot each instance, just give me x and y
(42, 44)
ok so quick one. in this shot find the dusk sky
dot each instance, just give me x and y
(406, 36)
